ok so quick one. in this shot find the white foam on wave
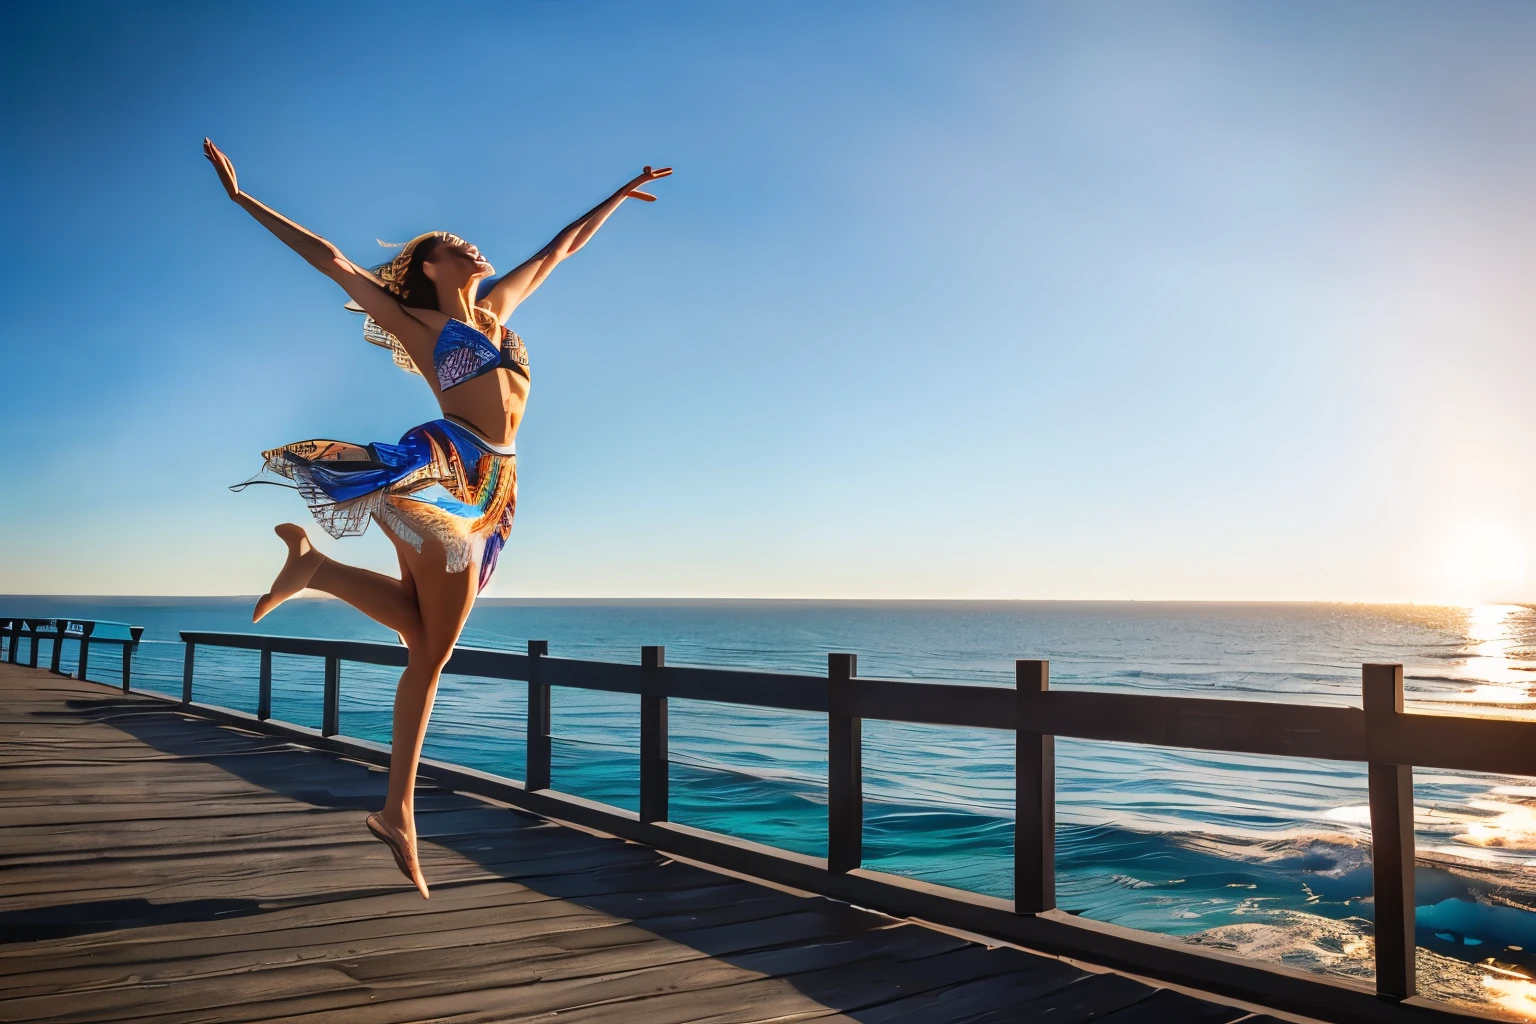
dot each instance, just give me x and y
(1511, 825)
(1345, 947)
(1330, 855)
(1354, 814)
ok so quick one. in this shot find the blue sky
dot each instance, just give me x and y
(944, 300)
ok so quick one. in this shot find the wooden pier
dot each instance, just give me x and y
(159, 866)
(75, 754)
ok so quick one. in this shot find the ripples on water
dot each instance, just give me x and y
(1264, 856)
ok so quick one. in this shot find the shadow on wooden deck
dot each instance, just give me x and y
(160, 866)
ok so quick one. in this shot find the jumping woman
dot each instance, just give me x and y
(446, 491)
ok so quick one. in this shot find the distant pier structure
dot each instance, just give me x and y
(172, 860)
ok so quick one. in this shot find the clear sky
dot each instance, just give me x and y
(944, 300)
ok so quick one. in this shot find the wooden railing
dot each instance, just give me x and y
(87, 631)
(1380, 733)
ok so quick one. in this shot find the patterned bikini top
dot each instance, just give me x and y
(461, 354)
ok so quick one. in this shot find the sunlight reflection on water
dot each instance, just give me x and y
(1498, 656)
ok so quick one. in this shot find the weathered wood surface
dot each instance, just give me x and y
(157, 866)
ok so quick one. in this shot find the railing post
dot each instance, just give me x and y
(1034, 830)
(845, 776)
(536, 775)
(653, 737)
(134, 632)
(85, 648)
(1392, 845)
(186, 674)
(58, 646)
(330, 719)
(264, 686)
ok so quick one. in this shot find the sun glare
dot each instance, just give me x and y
(1486, 562)
(1513, 992)
(1512, 826)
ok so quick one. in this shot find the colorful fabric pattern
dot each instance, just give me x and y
(462, 354)
(440, 479)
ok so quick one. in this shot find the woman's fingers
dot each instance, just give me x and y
(637, 194)
(658, 173)
(221, 164)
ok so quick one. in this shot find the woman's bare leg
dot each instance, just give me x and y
(427, 606)
(384, 599)
(408, 588)
(444, 600)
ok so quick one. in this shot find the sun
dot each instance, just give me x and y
(1486, 562)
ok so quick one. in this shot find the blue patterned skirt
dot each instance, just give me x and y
(440, 479)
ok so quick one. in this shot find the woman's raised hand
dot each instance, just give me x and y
(226, 169)
(645, 176)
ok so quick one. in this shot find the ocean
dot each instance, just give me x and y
(1265, 857)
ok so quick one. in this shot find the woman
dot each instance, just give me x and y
(445, 493)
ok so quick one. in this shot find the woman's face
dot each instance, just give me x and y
(455, 263)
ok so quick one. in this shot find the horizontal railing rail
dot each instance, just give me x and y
(1427, 739)
(87, 632)
(1380, 733)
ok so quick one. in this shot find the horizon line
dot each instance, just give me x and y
(676, 599)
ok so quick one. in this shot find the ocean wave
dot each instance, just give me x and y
(1346, 947)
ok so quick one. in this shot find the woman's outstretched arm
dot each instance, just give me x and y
(319, 253)
(517, 285)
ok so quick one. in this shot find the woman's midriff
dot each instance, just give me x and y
(491, 405)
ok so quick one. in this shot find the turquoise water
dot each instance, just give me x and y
(1264, 856)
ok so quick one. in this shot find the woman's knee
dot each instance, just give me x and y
(428, 656)
(413, 635)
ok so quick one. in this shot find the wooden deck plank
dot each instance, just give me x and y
(1166, 1005)
(298, 928)
(1044, 995)
(631, 949)
(557, 980)
(876, 984)
(161, 867)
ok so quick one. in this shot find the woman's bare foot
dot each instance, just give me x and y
(302, 562)
(402, 844)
